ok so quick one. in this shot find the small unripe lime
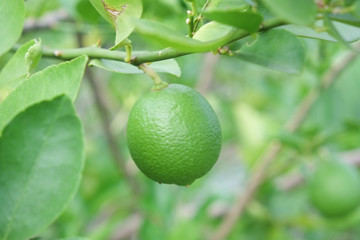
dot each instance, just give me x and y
(174, 135)
(335, 189)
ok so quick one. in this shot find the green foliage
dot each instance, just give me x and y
(297, 12)
(300, 40)
(64, 78)
(51, 147)
(120, 15)
(274, 49)
(12, 14)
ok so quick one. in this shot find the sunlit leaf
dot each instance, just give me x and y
(120, 14)
(211, 31)
(64, 78)
(166, 66)
(12, 16)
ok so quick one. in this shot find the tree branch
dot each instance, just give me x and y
(275, 147)
(141, 57)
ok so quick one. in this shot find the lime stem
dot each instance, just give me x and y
(152, 74)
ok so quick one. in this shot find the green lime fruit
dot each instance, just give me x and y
(335, 189)
(174, 135)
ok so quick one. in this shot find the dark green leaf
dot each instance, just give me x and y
(246, 20)
(346, 18)
(12, 15)
(276, 49)
(64, 78)
(41, 160)
(167, 66)
(293, 11)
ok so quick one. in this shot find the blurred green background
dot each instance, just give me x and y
(252, 103)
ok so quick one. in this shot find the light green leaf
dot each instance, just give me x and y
(64, 78)
(170, 38)
(331, 29)
(346, 18)
(73, 238)
(211, 31)
(166, 66)
(120, 14)
(41, 160)
(349, 33)
(33, 56)
(276, 49)
(228, 5)
(246, 20)
(14, 72)
(12, 16)
(293, 11)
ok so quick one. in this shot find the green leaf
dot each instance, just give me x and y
(12, 16)
(349, 33)
(167, 66)
(246, 20)
(33, 56)
(64, 78)
(293, 11)
(228, 5)
(41, 161)
(170, 38)
(346, 18)
(331, 29)
(276, 49)
(120, 14)
(211, 31)
(14, 72)
(73, 238)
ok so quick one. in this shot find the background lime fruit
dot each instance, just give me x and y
(174, 135)
(335, 189)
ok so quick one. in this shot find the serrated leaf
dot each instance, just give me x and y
(170, 38)
(64, 78)
(167, 66)
(120, 14)
(211, 31)
(245, 20)
(293, 11)
(14, 72)
(349, 33)
(12, 16)
(41, 160)
(276, 49)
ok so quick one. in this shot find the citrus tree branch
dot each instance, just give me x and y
(275, 147)
(141, 57)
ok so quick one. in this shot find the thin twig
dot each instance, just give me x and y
(49, 20)
(275, 147)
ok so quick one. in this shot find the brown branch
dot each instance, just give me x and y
(275, 147)
(49, 20)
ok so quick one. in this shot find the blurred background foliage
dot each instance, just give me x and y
(252, 103)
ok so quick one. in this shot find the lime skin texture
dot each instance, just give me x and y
(174, 135)
(335, 189)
